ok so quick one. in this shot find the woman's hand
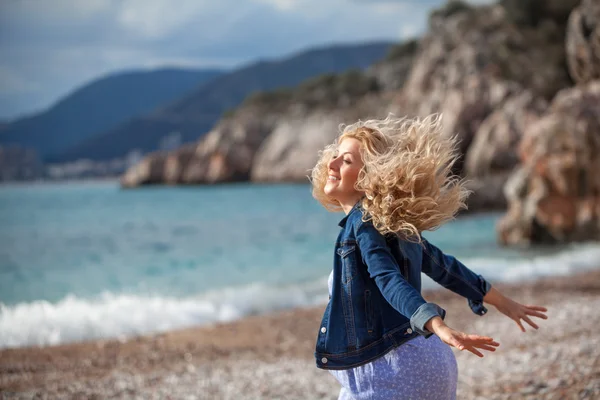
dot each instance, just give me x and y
(460, 340)
(514, 310)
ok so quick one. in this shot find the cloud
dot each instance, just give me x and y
(284, 5)
(156, 19)
(47, 48)
(11, 82)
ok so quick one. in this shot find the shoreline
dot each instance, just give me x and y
(271, 356)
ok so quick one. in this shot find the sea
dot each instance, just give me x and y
(89, 260)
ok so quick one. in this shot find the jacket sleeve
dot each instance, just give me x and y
(455, 276)
(384, 269)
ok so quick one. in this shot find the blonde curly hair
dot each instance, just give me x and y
(407, 174)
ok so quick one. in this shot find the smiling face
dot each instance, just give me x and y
(343, 171)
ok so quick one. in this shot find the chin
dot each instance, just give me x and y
(329, 191)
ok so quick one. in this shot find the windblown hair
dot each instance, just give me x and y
(407, 177)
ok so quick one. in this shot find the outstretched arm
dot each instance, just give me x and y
(475, 343)
(455, 276)
(461, 340)
(514, 310)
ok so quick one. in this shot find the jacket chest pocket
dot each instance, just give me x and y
(347, 253)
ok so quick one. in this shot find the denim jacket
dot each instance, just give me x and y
(376, 303)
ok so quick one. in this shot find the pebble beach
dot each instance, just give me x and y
(271, 356)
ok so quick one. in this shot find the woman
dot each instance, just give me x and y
(378, 336)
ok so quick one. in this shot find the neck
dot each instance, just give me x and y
(348, 205)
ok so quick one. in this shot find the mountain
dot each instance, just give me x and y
(99, 106)
(190, 117)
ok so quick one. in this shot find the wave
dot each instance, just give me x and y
(72, 319)
(571, 259)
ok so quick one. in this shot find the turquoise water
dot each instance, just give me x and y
(89, 260)
(85, 239)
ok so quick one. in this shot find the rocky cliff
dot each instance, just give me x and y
(498, 73)
(273, 136)
(583, 42)
(490, 71)
(554, 194)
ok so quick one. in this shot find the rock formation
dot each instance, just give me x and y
(493, 149)
(470, 63)
(491, 70)
(472, 60)
(554, 196)
(225, 154)
(392, 72)
(492, 155)
(274, 136)
(291, 150)
(149, 171)
(583, 42)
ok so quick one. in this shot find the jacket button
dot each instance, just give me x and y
(323, 330)
(409, 331)
(324, 360)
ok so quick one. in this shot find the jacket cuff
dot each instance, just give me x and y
(477, 305)
(423, 314)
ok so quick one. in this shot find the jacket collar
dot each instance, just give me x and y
(356, 208)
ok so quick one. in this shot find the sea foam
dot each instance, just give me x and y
(110, 315)
(72, 319)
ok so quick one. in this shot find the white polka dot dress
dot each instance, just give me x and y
(420, 369)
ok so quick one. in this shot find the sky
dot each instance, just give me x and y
(48, 48)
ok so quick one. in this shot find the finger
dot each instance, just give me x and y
(485, 347)
(474, 351)
(479, 338)
(529, 321)
(494, 344)
(537, 308)
(486, 342)
(536, 314)
(518, 321)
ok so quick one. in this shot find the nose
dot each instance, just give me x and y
(332, 164)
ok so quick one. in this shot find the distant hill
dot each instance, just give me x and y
(100, 106)
(193, 115)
